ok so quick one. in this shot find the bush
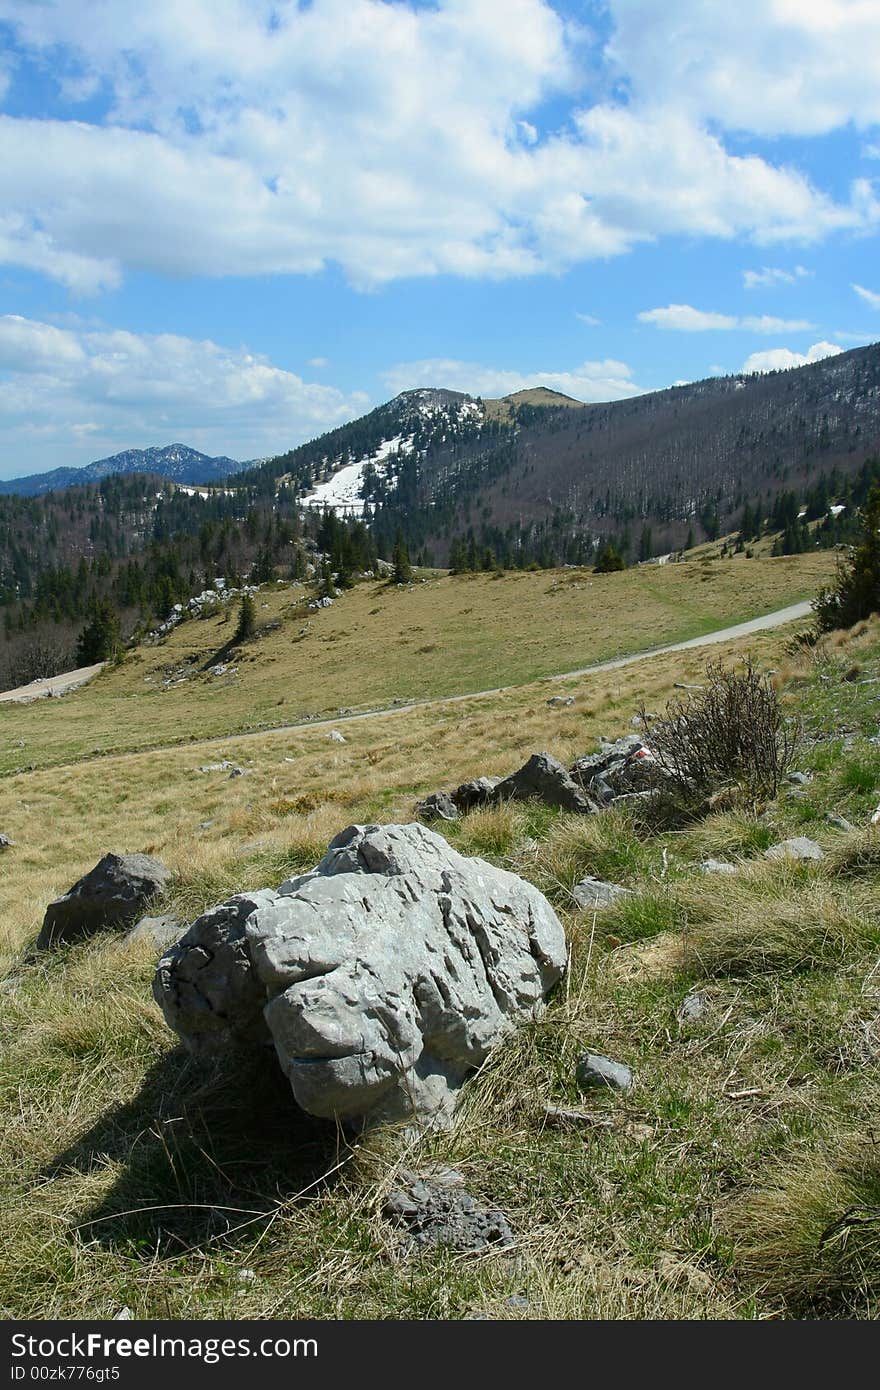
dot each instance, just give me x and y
(733, 731)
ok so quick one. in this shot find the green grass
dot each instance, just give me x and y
(442, 637)
(737, 1180)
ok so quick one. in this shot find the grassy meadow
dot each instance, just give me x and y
(739, 1179)
(379, 644)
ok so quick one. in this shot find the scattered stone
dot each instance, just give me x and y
(591, 893)
(799, 779)
(479, 792)
(246, 1276)
(561, 701)
(594, 1070)
(113, 894)
(217, 767)
(236, 772)
(797, 848)
(716, 866)
(205, 824)
(161, 932)
(692, 1008)
(838, 821)
(124, 1315)
(336, 737)
(545, 779)
(438, 806)
(436, 1209)
(391, 972)
(6, 842)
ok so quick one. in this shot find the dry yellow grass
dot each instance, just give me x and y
(379, 645)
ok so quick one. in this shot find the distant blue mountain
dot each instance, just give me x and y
(177, 462)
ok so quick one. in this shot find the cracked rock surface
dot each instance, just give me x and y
(383, 977)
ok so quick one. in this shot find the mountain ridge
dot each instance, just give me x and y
(177, 462)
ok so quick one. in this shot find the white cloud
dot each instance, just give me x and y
(319, 362)
(780, 359)
(855, 339)
(589, 319)
(686, 319)
(772, 67)
(251, 138)
(869, 296)
(608, 380)
(770, 277)
(108, 389)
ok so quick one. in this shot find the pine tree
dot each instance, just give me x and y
(101, 637)
(855, 593)
(247, 619)
(402, 567)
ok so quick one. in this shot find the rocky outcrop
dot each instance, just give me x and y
(113, 894)
(382, 978)
(438, 806)
(544, 778)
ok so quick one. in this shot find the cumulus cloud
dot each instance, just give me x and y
(107, 389)
(686, 319)
(771, 277)
(798, 67)
(589, 319)
(252, 137)
(779, 359)
(871, 297)
(607, 380)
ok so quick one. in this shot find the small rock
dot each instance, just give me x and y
(561, 701)
(479, 792)
(799, 779)
(161, 932)
(436, 1209)
(236, 772)
(692, 1008)
(797, 848)
(591, 893)
(717, 866)
(124, 1315)
(246, 1276)
(205, 824)
(438, 806)
(113, 894)
(594, 1070)
(6, 842)
(336, 737)
(839, 822)
(545, 779)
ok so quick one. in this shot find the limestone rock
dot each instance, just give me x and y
(6, 842)
(206, 985)
(594, 1070)
(383, 977)
(797, 848)
(545, 779)
(161, 932)
(113, 894)
(438, 806)
(591, 893)
(336, 737)
(479, 792)
(717, 866)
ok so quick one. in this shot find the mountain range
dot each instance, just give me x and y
(177, 462)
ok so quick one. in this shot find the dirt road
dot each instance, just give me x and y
(56, 685)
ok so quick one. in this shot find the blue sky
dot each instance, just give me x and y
(238, 224)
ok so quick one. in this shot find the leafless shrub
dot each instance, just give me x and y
(732, 731)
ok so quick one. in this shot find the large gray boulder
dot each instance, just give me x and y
(544, 778)
(383, 977)
(112, 894)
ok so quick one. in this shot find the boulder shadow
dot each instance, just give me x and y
(206, 1153)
